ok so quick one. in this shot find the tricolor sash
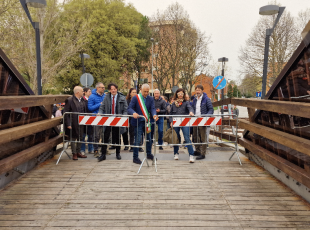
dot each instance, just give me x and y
(144, 111)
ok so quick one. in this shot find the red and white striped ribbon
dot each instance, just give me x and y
(104, 121)
(197, 121)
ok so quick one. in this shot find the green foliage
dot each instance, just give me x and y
(236, 92)
(229, 91)
(112, 43)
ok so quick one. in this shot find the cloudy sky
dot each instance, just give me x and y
(229, 22)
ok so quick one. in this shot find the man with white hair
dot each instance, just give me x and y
(142, 105)
(160, 106)
(73, 131)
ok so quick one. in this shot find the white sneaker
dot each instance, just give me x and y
(191, 159)
(83, 153)
(176, 157)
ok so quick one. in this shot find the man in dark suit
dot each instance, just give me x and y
(135, 109)
(73, 130)
(113, 103)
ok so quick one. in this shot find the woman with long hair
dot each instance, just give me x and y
(181, 106)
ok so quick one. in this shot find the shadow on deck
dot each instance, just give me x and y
(211, 194)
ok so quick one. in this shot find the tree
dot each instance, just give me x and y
(112, 43)
(229, 91)
(181, 48)
(62, 35)
(236, 92)
(283, 43)
(143, 47)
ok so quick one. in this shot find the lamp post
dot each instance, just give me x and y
(83, 56)
(269, 10)
(35, 25)
(152, 40)
(223, 60)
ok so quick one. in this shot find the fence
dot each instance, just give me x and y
(95, 122)
(215, 124)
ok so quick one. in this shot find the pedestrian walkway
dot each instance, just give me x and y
(211, 194)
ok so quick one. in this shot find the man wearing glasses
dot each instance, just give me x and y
(94, 102)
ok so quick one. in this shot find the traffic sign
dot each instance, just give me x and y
(259, 94)
(219, 82)
(87, 79)
(174, 88)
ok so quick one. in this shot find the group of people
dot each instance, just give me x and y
(144, 111)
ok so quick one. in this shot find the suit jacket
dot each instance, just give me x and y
(134, 107)
(73, 119)
(120, 107)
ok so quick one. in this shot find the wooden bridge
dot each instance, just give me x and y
(211, 194)
(269, 191)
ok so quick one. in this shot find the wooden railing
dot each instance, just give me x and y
(294, 142)
(15, 131)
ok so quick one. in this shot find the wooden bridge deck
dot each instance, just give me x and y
(110, 195)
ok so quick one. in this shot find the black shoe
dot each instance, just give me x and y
(118, 156)
(141, 150)
(101, 158)
(161, 148)
(197, 153)
(200, 157)
(126, 148)
(137, 161)
(131, 150)
(112, 147)
(150, 156)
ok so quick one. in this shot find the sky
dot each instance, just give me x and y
(229, 22)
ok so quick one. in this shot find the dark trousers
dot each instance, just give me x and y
(116, 139)
(131, 134)
(125, 137)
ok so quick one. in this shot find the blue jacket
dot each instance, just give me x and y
(94, 101)
(206, 105)
(134, 107)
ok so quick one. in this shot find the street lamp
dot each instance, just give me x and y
(223, 60)
(269, 10)
(35, 25)
(82, 55)
(152, 40)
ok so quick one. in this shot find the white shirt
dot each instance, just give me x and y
(198, 105)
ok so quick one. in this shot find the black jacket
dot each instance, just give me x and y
(160, 104)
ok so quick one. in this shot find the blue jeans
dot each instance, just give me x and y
(90, 139)
(185, 131)
(160, 125)
(139, 130)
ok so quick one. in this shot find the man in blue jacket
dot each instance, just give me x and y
(135, 109)
(202, 105)
(94, 102)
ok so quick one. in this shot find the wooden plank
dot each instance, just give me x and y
(251, 113)
(13, 161)
(292, 108)
(223, 135)
(287, 167)
(222, 102)
(11, 102)
(294, 142)
(15, 133)
(231, 122)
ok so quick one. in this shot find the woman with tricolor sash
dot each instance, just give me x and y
(181, 106)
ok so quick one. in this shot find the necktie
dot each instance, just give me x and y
(113, 105)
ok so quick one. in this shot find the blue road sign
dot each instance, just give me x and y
(219, 82)
(258, 94)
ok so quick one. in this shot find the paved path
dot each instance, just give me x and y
(210, 194)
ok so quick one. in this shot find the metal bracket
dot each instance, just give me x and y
(18, 170)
